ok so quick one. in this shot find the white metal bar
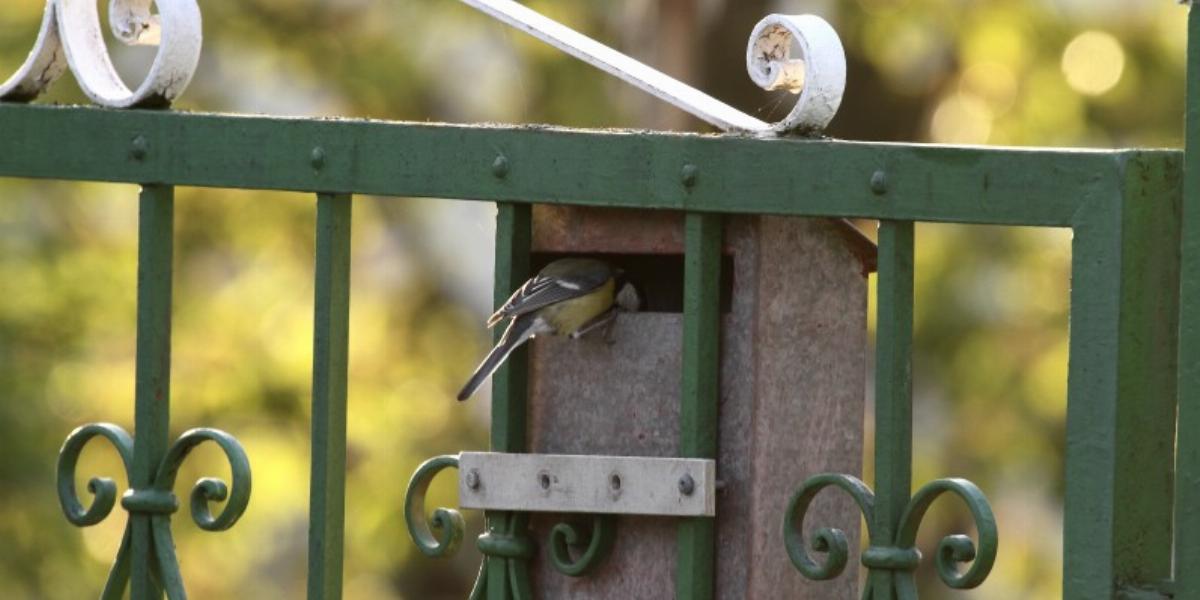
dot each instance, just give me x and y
(587, 484)
(626, 68)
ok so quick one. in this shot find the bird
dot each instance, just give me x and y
(568, 297)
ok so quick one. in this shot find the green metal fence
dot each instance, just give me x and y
(1129, 515)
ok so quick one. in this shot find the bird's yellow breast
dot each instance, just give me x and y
(570, 315)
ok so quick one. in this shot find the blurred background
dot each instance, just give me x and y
(991, 313)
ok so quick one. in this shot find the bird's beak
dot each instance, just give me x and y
(628, 299)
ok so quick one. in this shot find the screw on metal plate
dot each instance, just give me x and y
(879, 183)
(687, 485)
(500, 167)
(689, 174)
(586, 484)
(473, 479)
(317, 158)
(139, 147)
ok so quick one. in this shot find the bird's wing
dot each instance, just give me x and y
(545, 290)
(518, 332)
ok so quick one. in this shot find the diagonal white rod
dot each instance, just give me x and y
(626, 68)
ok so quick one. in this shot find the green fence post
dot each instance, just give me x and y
(331, 325)
(152, 392)
(1122, 382)
(696, 569)
(508, 577)
(1187, 491)
(893, 390)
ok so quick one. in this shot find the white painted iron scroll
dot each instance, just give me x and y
(818, 75)
(71, 37)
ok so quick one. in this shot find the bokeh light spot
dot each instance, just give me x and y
(1093, 62)
(961, 119)
(995, 83)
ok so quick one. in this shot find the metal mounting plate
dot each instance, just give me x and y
(587, 484)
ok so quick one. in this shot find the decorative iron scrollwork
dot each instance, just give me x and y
(817, 76)
(443, 534)
(595, 545)
(828, 541)
(70, 37)
(898, 556)
(507, 546)
(507, 538)
(155, 502)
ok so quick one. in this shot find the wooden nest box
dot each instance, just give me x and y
(792, 382)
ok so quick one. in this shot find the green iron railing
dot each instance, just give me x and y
(1122, 205)
(1124, 208)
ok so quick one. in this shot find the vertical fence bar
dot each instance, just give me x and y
(510, 383)
(1121, 393)
(893, 389)
(696, 569)
(152, 392)
(1187, 490)
(331, 327)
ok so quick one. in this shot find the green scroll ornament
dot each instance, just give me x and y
(156, 503)
(900, 555)
(506, 539)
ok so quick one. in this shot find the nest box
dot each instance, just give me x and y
(792, 382)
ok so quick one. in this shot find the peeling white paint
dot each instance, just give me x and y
(817, 75)
(70, 37)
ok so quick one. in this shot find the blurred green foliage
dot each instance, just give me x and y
(991, 303)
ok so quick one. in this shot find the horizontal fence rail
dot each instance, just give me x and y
(727, 174)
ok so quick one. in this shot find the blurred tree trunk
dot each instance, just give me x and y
(700, 42)
(723, 54)
(677, 29)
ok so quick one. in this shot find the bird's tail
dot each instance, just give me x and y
(519, 331)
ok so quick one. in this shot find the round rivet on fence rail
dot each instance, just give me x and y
(879, 183)
(687, 485)
(500, 167)
(689, 175)
(473, 479)
(139, 147)
(317, 158)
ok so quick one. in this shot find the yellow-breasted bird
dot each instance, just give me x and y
(570, 296)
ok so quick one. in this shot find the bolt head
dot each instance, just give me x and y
(687, 485)
(317, 158)
(689, 175)
(879, 183)
(139, 147)
(473, 479)
(500, 167)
